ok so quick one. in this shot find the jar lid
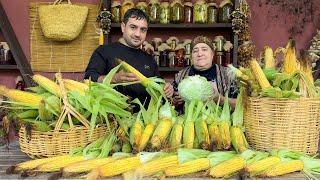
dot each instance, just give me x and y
(176, 2)
(142, 3)
(115, 3)
(213, 4)
(153, 2)
(165, 3)
(127, 2)
(200, 2)
(188, 4)
(226, 2)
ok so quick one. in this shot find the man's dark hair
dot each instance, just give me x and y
(135, 13)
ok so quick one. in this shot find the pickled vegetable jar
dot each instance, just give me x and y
(115, 11)
(212, 13)
(154, 11)
(177, 12)
(142, 5)
(188, 11)
(126, 5)
(200, 12)
(225, 10)
(165, 12)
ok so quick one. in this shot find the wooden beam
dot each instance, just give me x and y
(17, 52)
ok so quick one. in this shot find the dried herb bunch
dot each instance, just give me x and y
(300, 12)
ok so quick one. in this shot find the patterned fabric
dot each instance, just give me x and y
(225, 80)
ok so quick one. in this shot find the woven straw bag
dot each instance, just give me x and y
(62, 22)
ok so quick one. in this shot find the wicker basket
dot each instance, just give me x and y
(282, 123)
(47, 144)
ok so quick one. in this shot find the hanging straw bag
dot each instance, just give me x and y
(62, 22)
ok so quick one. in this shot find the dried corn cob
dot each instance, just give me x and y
(268, 58)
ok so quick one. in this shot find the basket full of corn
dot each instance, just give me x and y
(57, 117)
(282, 107)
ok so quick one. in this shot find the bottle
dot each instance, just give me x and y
(188, 11)
(165, 12)
(212, 12)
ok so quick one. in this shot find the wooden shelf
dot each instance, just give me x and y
(8, 66)
(183, 26)
(170, 69)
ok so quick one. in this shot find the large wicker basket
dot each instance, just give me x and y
(47, 144)
(283, 123)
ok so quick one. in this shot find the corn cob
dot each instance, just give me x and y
(215, 135)
(259, 75)
(119, 166)
(238, 139)
(238, 73)
(32, 164)
(146, 135)
(72, 85)
(224, 133)
(188, 134)
(227, 167)
(135, 134)
(144, 80)
(56, 165)
(260, 166)
(188, 167)
(85, 166)
(176, 135)
(268, 58)
(284, 168)
(202, 133)
(44, 113)
(161, 133)
(47, 84)
(290, 64)
(157, 165)
(26, 98)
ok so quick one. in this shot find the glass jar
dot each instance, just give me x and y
(225, 10)
(154, 11)
(177, 12)
(200, 12)
(165, 13)
(142, 5)
(188, 11)
(212, 12)
(164, 59)
(179, 59)
(115, 11)
(126, 5)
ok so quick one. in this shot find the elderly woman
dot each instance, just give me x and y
(202, 64)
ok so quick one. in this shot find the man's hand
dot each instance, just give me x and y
(168, 90)
(177, 99)
(122, 76)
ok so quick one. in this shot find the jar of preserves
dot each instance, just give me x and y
(177, 12)
(142, 5)
(165, 12)
(126, 5)
(115, 11)
(200, 12)
(225, 10)
(188, 11)
(212, 12)
(154, 11)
